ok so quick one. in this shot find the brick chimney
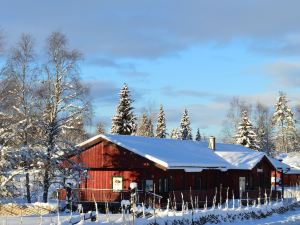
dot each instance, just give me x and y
(212, 143)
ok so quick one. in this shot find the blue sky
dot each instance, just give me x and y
(193, 54)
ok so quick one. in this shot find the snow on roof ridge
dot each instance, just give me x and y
(233, 156)
(163, 151)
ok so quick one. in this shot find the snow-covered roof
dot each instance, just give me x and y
(169, 153)
(244, 158)
(293, 160)
(192, 156)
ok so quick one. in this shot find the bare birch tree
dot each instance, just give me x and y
(20, 111)
(63, 102)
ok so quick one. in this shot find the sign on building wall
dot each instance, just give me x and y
(117, 183)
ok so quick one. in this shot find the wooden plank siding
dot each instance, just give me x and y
(105, 160)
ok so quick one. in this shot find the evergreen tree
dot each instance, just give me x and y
(185, 131)
(161, 124)
(284, 124)
(150, 128)
(145, 126)
(124, 122)
(198, 135)
(245, 135)
(174, 134)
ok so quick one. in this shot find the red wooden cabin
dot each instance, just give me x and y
(171, 167)
(168, 167)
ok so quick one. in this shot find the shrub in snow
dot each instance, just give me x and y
(218, 216)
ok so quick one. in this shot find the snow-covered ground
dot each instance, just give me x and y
(287, 218)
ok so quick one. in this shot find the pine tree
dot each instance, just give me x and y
(245, 135)
(161, 124)
(198, 135)
(174, 134)
(284, 124)
(185, 131)
(124, 122)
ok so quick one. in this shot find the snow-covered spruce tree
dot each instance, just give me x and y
(198, 135)
(284, 124)
(161, 129)
(185, 131)
(245, 134)
(145, 126)
(231, 123)
(124, 122)
(174, 133)
(20, 134)
(63, 102)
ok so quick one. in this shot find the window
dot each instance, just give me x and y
(117, 183)
(160, 185)
(197, 183)
(249, 183)
(149, 185)
(166, 185)
(170, 183)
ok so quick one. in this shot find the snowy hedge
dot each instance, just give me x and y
(217, 216)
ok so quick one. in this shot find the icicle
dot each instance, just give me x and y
(205, 206)
(247, 200)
